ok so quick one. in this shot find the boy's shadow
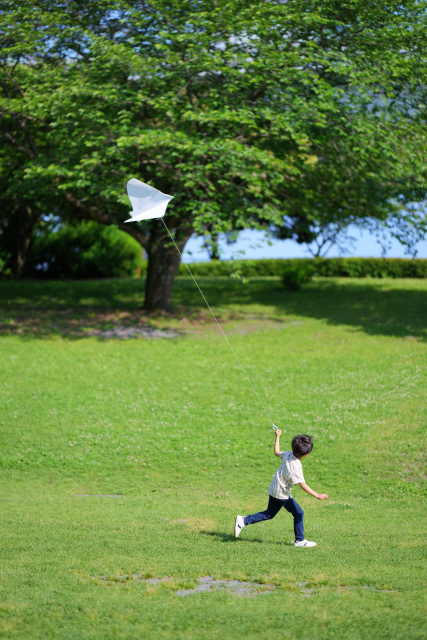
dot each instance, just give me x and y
(228, 537)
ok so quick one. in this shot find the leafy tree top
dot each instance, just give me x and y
(245, 111)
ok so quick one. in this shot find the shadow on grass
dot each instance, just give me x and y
(377, 307)
(228, 537)
(114, 293)
(224, 537)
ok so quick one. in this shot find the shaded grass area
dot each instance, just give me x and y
(172, 428)
(378, 307)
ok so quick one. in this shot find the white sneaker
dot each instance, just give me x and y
(240, 523)
(304, 543)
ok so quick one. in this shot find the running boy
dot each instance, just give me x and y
(287, 475)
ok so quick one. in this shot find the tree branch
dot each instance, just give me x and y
(99, 216)
(16, 144)
(21, 119)
(13, 81)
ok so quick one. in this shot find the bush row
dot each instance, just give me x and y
(91, 250)
(325, 267)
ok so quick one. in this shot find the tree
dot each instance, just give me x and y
(249, 113)
(319, 239)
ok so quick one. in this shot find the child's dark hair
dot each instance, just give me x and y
(301, 445)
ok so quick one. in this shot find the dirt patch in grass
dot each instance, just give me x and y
(414, 467)
(123, 333)
(238, 587)
(75, 323)
(186, 587)
(122, 325)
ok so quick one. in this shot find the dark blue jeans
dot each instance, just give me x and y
(274, 506)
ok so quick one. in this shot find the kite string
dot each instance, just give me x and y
(219, 326)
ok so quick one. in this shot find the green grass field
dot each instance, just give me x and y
(172, 427)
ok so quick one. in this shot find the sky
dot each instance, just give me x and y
(252, 245)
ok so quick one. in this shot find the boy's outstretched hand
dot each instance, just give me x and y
(277, 443)
(306, 488)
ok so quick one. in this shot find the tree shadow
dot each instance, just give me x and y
(377, 307)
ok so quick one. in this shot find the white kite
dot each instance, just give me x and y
(147, 202)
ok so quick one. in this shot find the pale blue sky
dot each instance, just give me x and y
(254, 246)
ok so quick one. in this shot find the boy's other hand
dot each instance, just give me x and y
(278, 433)
(322, 496)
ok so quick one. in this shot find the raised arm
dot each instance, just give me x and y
(306, 488)
(277, 443)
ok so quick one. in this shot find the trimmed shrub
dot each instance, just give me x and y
(297, 275)
(84, 250)
(371, 268)
(324, 267)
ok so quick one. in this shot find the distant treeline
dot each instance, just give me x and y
(325, 267)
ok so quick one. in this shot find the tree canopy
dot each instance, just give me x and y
(294, 114)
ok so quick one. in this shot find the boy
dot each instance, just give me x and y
(287, 475)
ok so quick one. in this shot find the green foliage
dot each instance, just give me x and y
(296, 275)
(248, 113)
(84, 250)
(324, 267)
(371, 268)
(173, 426)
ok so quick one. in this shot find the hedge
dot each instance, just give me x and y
(325, 267)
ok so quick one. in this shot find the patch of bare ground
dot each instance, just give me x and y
(133, 324)
(414, 467)
(75, 323)
(238, 587)
(205, 584)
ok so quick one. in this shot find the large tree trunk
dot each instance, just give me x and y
(163, 263)
(18, 265)
(17, 228)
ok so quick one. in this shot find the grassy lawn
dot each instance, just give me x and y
(123, 461)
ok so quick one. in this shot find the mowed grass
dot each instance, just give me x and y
(173, 428)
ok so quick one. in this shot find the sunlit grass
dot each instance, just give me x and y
(173, 429)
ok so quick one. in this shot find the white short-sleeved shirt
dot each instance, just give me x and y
(288, 474)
